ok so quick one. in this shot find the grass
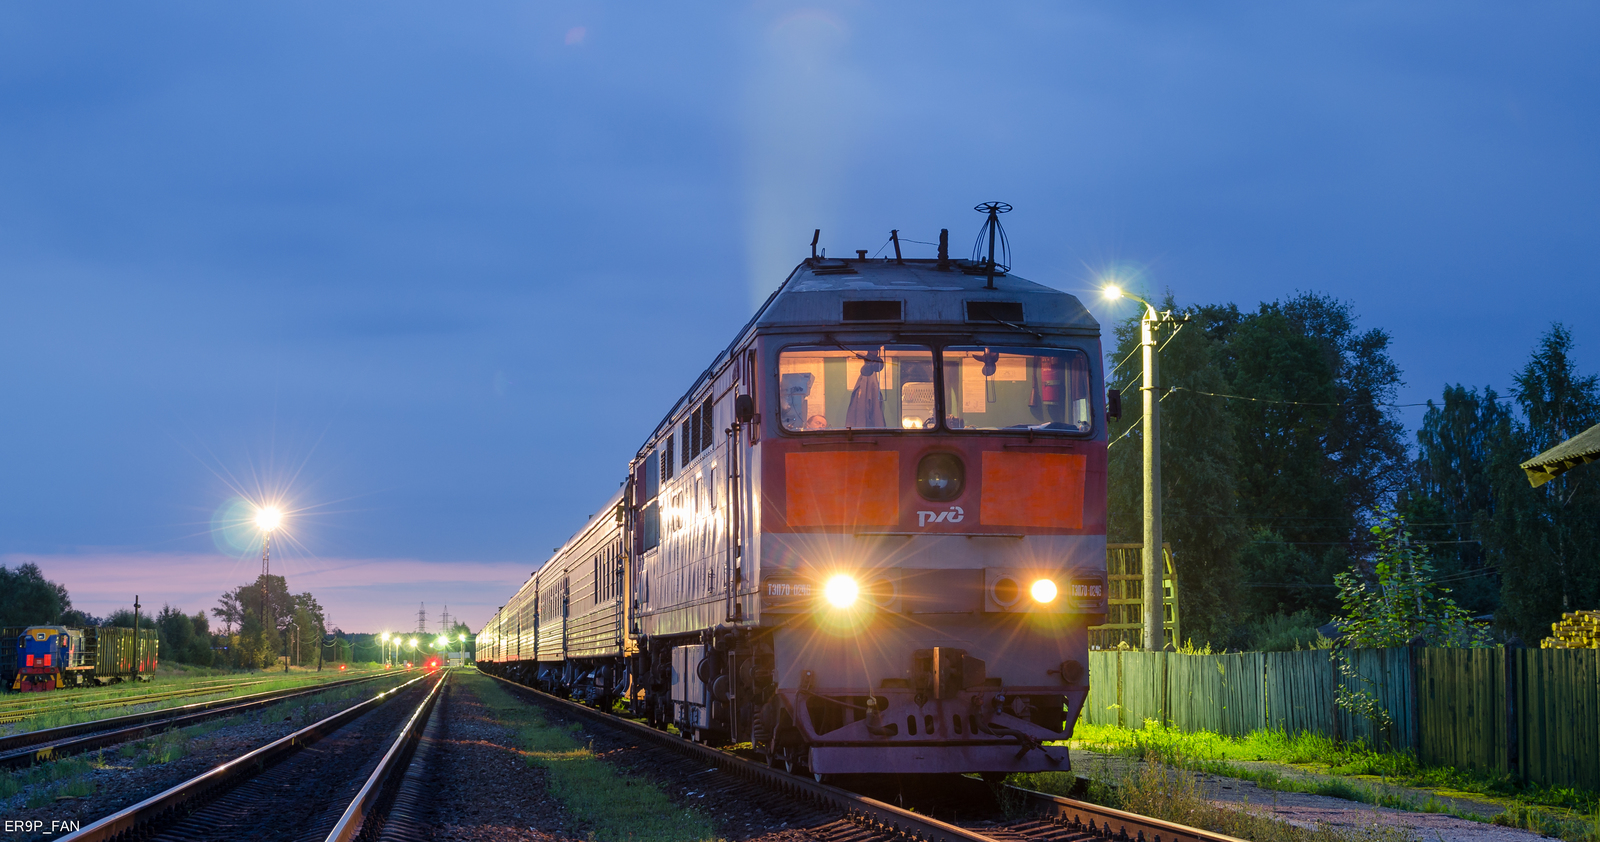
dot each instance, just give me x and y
(1166, 793)
(1559, 811)
(609, 807)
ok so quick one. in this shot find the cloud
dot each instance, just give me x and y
(358, 594)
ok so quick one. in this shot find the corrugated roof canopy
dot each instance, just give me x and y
(1581, 448)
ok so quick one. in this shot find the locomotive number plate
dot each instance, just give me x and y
(781, 595)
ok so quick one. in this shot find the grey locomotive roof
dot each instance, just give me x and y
(816, 292)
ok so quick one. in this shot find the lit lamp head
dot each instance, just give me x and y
(413, 643)
(1112, 292)
(268, 518)
(385, 637)
(841, 591)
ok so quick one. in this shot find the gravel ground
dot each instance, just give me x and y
(495, 794)
(1307, 810)
(119, 781)
(486, 788)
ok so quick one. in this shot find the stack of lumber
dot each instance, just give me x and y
(1576, 630)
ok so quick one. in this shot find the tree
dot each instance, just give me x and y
(1546, 540)
(1317, 451)
(1265, 495)
(123, 618)
(27, 598)
(1399, 601)
(186, 637)
(1451, 496)
(229, 611)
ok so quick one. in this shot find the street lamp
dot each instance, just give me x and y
(385, 649)
(1150, 555)
(267, 519)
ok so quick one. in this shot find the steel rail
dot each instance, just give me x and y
(1117, 824)
(12, 710)
(393, 763)
(863, 811)
(197, 788)
(144, 698)
(25, 749)
(875, 815)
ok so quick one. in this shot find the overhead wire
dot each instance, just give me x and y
(1306, 403)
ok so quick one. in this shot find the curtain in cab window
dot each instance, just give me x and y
(990, 388)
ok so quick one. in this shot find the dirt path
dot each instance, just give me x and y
(1307, 810)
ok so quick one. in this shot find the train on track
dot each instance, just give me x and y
(57, 657)
(869, 538)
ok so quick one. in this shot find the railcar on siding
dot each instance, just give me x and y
(869, 539)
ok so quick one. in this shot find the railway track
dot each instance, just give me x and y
(834, 813)
(15, 710)
(31, 747)
(330, 780)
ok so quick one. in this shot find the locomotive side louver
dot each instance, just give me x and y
(872, 311)
(994, 311)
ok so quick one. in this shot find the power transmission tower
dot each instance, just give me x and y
(444, 621)
(422, 618)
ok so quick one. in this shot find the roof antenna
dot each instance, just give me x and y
(995, 232)
(944, 249)
(815, 235)
(895, 235)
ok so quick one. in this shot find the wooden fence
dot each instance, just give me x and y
(1532, 713)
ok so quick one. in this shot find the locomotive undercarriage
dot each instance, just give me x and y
(948, 717)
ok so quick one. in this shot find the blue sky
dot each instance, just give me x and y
(432, 271)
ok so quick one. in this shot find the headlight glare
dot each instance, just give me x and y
(1043, 591)
(841, 591)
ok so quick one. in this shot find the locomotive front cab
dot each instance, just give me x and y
(45, 656)
(933, 533)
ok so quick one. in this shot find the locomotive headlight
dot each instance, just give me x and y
(1043, 591)
(841, 591)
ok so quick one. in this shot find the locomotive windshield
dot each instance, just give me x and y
(857, 387)
(987, 388)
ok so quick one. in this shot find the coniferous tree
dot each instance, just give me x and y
(1546, 540)
(1451, 497)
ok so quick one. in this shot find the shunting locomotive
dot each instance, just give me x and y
(58, 657)
(869, 538)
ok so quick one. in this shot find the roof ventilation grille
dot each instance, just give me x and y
(872, 311)
(995, 311)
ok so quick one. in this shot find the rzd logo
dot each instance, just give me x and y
(953, 516)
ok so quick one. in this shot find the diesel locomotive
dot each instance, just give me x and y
(58, 657)
(869, 538)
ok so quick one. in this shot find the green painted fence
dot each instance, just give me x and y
(1533, 713)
